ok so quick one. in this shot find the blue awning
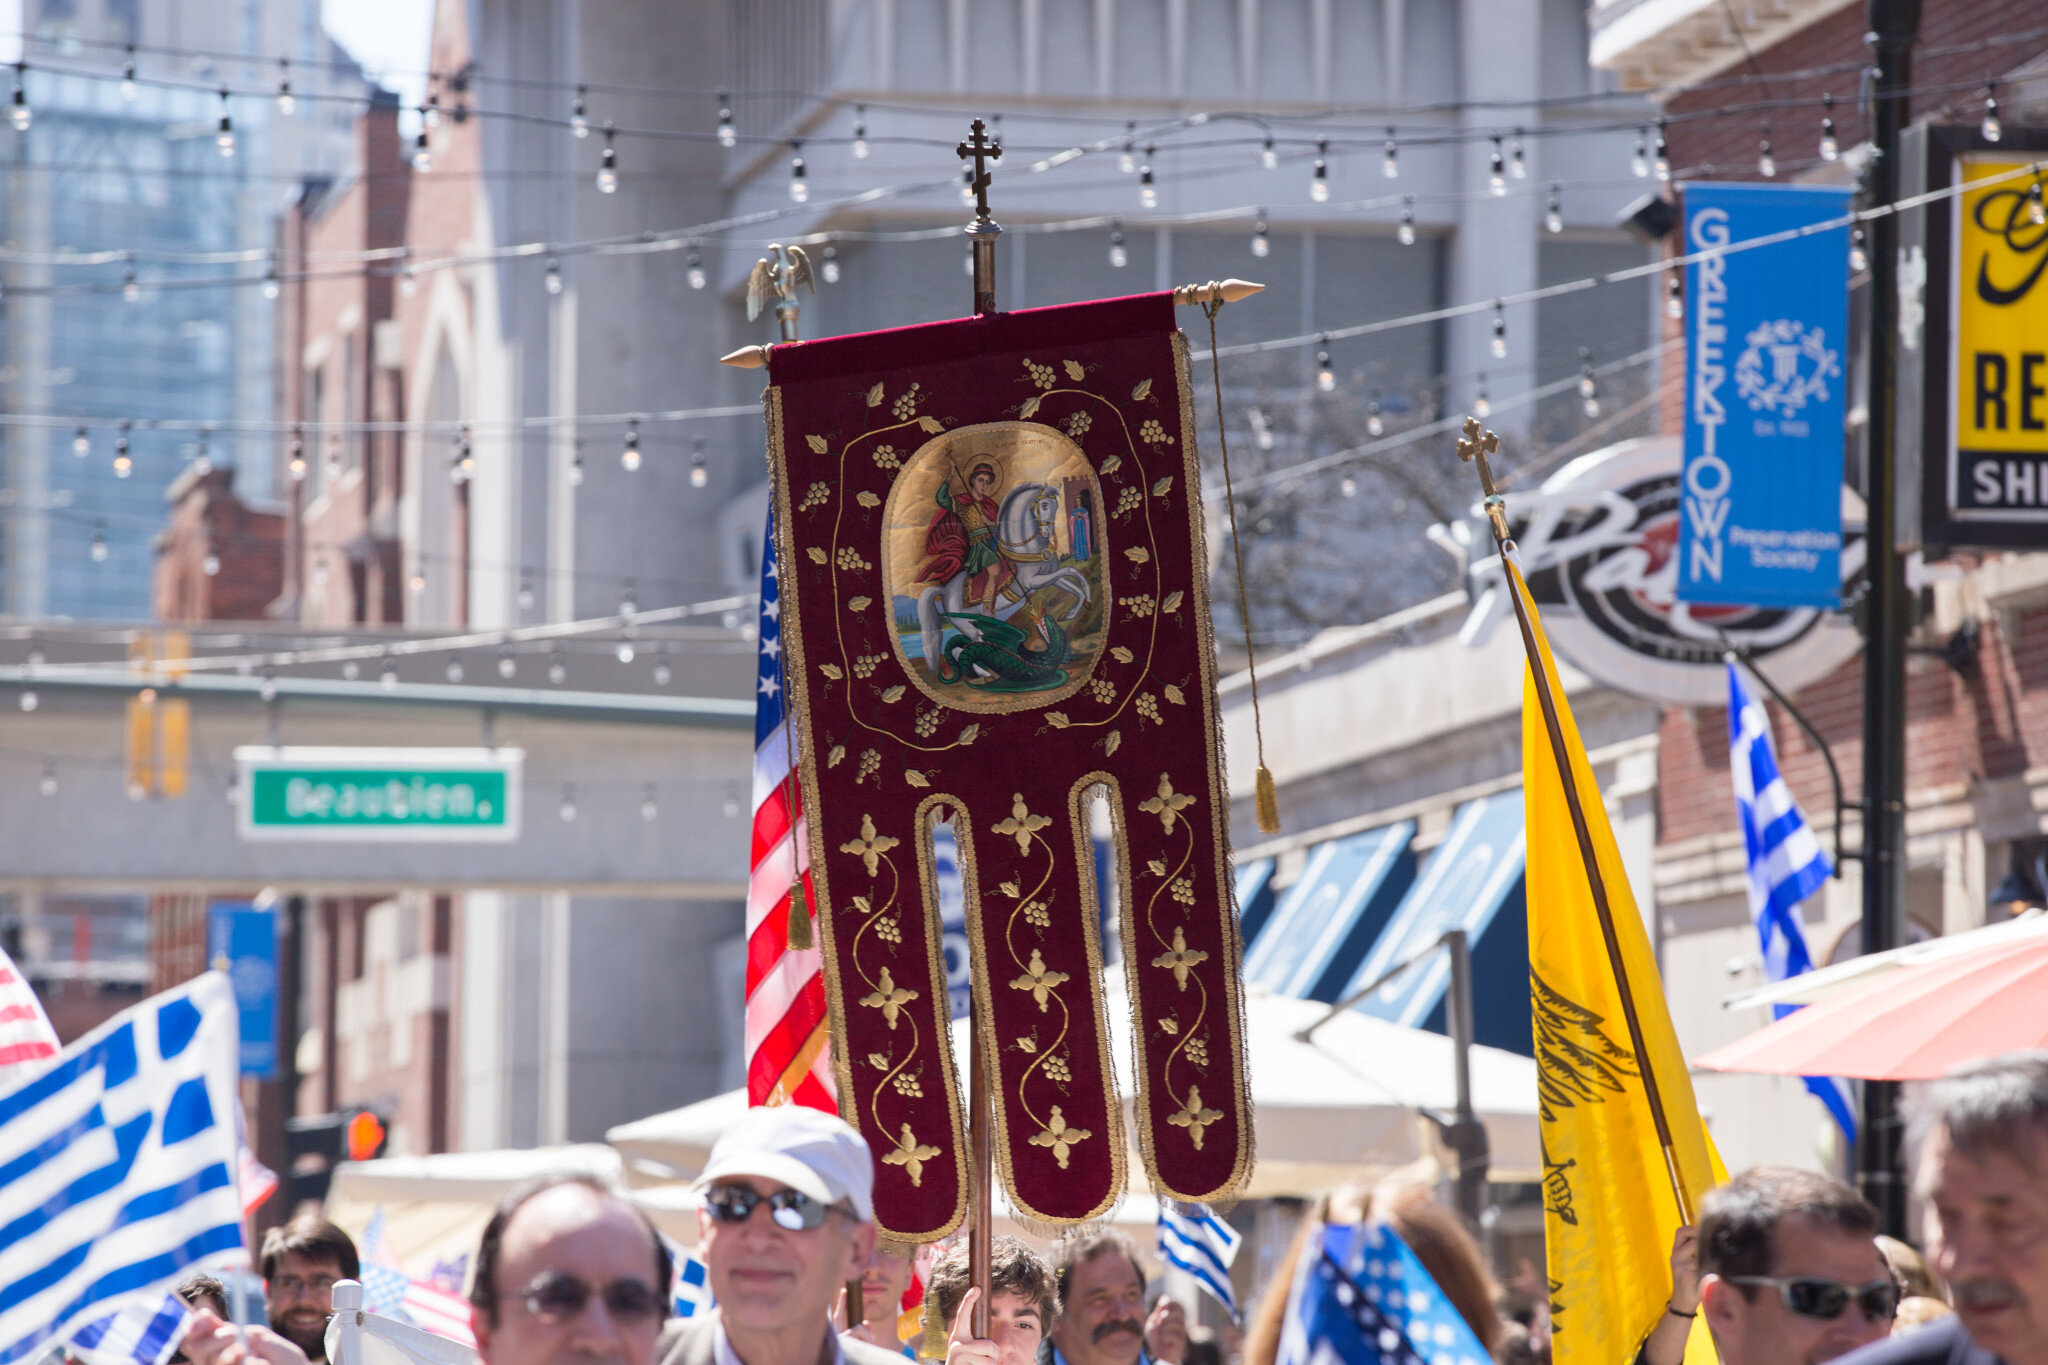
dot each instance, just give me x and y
(1254, 898)
(1327, 919)
(1472, 881)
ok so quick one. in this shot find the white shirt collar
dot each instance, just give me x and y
(725, 1355)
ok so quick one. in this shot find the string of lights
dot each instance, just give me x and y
(1321, 338)
(624, 624)
(453, 426)
(1292, 476)
(408, 263)
(459, 83)
(509, 643)
(272, 257)
(1325, 138)
(1668, 267)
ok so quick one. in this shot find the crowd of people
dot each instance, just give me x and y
(1785, 1267)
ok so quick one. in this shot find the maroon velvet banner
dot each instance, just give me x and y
(994, 599)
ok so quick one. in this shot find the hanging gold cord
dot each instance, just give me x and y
(801, 939)
(1265, 799)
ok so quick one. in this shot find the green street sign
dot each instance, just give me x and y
(379, 795)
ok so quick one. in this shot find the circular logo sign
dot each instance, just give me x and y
(1599, 547)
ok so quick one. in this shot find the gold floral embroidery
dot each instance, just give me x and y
(1182, 959)
(1062, 1139)
(1167, 804)
(911, 1155)
(1021, 823)
(1193, 1116)
(1039, 981)
(870, 847)
(890, 998)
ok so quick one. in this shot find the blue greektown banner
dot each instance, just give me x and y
(241, 940)
(1766, 351)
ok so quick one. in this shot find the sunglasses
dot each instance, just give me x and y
(1812, 1297)
(556, 1296)
(790, 1210)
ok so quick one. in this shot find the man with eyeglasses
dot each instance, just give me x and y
(1981, 1133)
(1790, 1273)
(787, 1220)
(300, 1263)
(568, 1271)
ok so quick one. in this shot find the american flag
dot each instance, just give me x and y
(256, 1181)
(25, 1033)
(390, 1292)
(787, 1056)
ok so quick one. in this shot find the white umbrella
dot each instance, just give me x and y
(435, 1207)
(675, 1145)
(1347, 1105)
(1822, 982)
(1352, 1102)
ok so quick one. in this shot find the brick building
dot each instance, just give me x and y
(219, 559)
(338, 370)
(1417, 717)
(1977, 674)
(368, 986)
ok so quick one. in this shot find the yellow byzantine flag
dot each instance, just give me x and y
(1609, 1211)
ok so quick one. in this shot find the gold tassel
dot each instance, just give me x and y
(933, 1344)
(1268, 802)
(800, 939)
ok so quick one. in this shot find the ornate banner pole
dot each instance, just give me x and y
(1473, 448)
(983, 232)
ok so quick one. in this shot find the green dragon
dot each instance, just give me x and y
(999, 662)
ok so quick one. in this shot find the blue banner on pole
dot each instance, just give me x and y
(1766, 350)
(241, 940)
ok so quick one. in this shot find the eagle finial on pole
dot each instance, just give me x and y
(778, 275)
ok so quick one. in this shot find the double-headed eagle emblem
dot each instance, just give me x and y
(778, 275)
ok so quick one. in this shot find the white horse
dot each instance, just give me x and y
(1024, 536)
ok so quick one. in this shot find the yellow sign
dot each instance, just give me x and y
(1999, 408)
(159, 728)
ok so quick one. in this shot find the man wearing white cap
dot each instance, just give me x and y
(788, 1219)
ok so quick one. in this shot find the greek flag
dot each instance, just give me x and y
(1204, 1246)
(144, 1333)
(117, 1168)
(1361, 1296)
(1786, 863)
(690, 1290)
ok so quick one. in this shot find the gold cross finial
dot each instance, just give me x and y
(1477, 441)
(1475, 445)
(982, 150)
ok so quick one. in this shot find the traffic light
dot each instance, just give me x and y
(320, 1142)
(365, 1136)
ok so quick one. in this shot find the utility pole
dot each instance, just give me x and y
(1893, 26)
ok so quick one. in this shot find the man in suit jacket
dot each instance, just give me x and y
(787, 1220)
(1982, 1135)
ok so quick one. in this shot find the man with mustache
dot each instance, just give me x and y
(566, 1271)
(1982, 1135)
(787, 1220)
(300, 1263)
(1101, 1290)
(1790, 1273)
